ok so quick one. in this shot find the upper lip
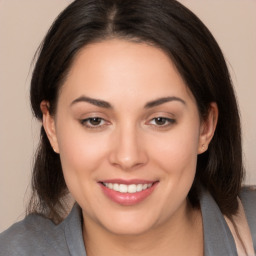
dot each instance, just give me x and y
(128, 182)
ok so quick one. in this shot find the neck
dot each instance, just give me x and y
(181, 235)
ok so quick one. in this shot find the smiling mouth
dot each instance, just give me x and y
(128, 192)
(131, 188)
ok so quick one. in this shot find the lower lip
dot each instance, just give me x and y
(128, 198)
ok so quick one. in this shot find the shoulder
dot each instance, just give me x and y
(30, 236)
(248, 191)
(248, 198)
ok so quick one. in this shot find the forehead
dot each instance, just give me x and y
(120, 69)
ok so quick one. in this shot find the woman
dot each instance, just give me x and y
(140, 125)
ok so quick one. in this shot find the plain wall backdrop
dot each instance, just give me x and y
(23, 25)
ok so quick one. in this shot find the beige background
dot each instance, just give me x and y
(23, 23)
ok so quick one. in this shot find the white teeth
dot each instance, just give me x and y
(139, 187)
(116, 187)
(123, 188)
(132, 188)
(144, 186)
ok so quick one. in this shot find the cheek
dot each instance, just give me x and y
(176, 153)
(80, 150)
(81, 155)
(177, 147)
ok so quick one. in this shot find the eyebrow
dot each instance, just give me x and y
(160, 101)
(105, 104)
(96, 102)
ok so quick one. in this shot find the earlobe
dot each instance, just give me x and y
(207, 128)
(49, 125)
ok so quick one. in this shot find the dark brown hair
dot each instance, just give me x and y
(179, 33)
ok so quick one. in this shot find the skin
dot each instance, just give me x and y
(128, 142)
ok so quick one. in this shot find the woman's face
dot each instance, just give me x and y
(128, 133)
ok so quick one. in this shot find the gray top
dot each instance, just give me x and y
(36, 235)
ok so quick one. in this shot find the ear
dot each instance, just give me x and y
(49, 125)
(207, 128)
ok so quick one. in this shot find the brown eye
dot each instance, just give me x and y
(162, 121)
(93, 122)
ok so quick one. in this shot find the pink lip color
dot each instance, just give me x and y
(128, 199)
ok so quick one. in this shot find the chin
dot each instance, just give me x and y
(129, 230)
(129, 224)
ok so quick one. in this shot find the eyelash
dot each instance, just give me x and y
(167, 122)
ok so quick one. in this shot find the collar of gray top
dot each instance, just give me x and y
(73, 232)
(248, 198)
(218, 239)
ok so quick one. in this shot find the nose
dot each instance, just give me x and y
(128, 151)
